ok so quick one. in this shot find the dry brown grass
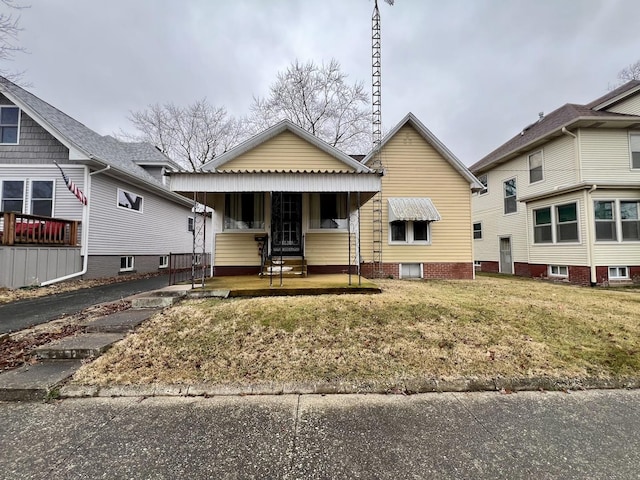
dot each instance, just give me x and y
(482, 328)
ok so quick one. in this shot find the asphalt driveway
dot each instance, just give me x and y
(26, 313)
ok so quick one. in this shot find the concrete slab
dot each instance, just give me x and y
(157, 299)
(34, 382)
(81, 346)
(120, 322)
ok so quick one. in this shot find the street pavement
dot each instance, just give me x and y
(585, 435)
(27, 313)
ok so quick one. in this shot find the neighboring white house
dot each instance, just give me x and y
(562, 197)
(131, 222)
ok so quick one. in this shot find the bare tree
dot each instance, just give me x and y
(9, 30)
(191, 135)
(318, 99)
(631, 72)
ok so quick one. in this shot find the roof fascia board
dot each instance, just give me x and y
(580, 186)
(275, 130)
(447, 154)
(118, 174)
(617, 98)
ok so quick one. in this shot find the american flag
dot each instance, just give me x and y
(73, 188)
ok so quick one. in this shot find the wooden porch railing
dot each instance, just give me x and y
(22, 229)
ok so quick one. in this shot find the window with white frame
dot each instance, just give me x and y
(402, 231)
(535, 167)
(542, 226)
(42, 197)
(477, 231)
(630, 220)
(605, 218)
(634, 140)
(618, 273)
(558, 271)
(328, 211)
(129, 200)
(567, 223)
(483, 179)
(126, 263)
(164, 261)
(12, 196)
(9, 121)
(558, 224)
(243, 211)
(191, 224)
(510, 204)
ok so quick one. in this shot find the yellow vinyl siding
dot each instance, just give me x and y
(327, 248)
(606, 156)
(630, 106)
(415, 169)
(285, 151)
(236, 249)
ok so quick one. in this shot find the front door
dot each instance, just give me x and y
(286, 223)
(506, 265)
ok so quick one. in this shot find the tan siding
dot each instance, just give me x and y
(616, 253)
(331, 248)
(414, 169)
(559, 253)
(630, 106)
(285, 151)
(606, 157)
(236, 249)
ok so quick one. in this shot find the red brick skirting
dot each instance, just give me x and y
(328, 269)
(389, 270)
(231, 271)
(432, 271)
(490, 267)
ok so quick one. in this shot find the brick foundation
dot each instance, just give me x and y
(328, 269)
(389, 270)
(233, 271)
(103, 266)
(490, 267)
(602, 274)
(449, 271)
(530, 269)
(579, 275)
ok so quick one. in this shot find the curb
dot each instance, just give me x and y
(405, 387)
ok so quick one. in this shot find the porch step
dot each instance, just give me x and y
(288, 267)
(82, 346)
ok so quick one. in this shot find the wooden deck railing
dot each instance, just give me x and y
(22, 229)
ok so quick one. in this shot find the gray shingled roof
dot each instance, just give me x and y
(553, 122)
(108, 150)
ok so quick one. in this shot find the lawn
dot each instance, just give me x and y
(437, 329)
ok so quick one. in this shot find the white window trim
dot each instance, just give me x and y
(127, 268)
(473, 232)
(27, 206)
(621, 221)
(164, 261)
(24, 193)
(410, 263)
(632, 134)
(558, 275)
(409, 235)
(19, 123)
(486, 189)
(323, 230)
(265, 201)
(616, 221)
(529, 166)
(129, 209)
(191, 224)
(554, 225)
(515, 212)
(617, 277)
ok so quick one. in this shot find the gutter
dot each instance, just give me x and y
(84, 250)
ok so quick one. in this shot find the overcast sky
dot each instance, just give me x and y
(473, 71)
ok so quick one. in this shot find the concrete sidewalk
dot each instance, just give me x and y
(27, 313)
(594, 434)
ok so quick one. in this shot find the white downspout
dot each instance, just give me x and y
(84, 249)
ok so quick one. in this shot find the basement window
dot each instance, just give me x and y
(558, 271)
(164, 261)
(618, 273)
(126, 263)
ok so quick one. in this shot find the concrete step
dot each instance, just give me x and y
(35, 382)
(87, 345)
(157, 299)
(120, 322)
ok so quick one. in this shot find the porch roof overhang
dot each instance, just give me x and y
(367, 183)
(413, 209)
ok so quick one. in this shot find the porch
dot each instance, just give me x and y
(22, 229)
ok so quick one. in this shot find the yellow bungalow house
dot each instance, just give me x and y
(286, 200)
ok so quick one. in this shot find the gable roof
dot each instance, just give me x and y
(278, 128)
(553, 123)
(609, 98)
(425, 133)
(120, 156)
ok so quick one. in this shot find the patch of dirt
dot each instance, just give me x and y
(17, 349)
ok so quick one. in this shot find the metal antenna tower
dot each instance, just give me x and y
(199, 260)
(376, 163)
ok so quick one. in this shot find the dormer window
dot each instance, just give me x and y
(9, 121)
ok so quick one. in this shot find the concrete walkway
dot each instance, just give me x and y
(27, 313)
(585, 435)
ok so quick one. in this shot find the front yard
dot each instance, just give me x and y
(438, 329)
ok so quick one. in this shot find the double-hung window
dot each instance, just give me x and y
(604, 212)
(477, 231)
(9, 121)
(126, 263)
(535, 167)
(243, 211)
(402, 231)
(567, 223)
(634, 140)
(328, 211)
(12, 196)
(630, 219)
(42, 198)
(510, 204)
(542, 227)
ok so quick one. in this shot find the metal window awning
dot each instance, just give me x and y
(413, 209)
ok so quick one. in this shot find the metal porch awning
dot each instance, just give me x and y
(414, 209)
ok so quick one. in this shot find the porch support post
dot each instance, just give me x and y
(349, 232)
(358, 243)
